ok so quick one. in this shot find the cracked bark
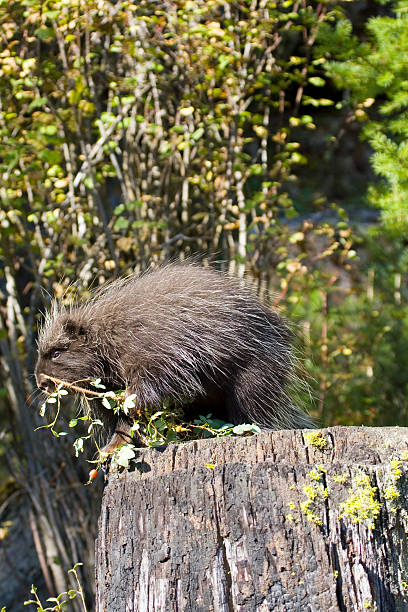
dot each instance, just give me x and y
(177, 535)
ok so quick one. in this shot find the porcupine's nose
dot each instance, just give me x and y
(43, 383)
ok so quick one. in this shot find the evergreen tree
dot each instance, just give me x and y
(376, 75)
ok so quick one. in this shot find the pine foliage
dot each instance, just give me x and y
(377, 71)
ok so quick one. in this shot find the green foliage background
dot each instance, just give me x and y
(137, 133)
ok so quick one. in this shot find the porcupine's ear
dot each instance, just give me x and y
(74, 330)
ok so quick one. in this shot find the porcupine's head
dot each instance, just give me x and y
(66, 349)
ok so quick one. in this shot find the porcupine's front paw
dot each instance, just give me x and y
(121, 436)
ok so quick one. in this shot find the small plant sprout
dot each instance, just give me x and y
(54, 398)
(61, 602)
(80, 591)
(151, 427)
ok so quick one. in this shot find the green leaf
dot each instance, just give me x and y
(129, 403)
(88, 182)
(79, 446)
(317, 81)
(244, 428)
(45, 34)
(124, 455)
(49, 156)
(37, 103)
(98, 383)
(121, 223)
(48, 130)
(108, 403)
(197, 134)
(118, 210)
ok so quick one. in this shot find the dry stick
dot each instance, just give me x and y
(53, 538)
(33, 267)
(85, 392)
(40, 552)
(227, 199)
(97, 202)
(309, 41)
(14, 376)
(76, 388)
(323, 352)
(14, 313)
(128, 193)
(95, 153)
(324, 345)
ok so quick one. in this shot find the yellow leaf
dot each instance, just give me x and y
(187, 111)
(296, 237)
(61, 183)
(125, 243)
(260, 131)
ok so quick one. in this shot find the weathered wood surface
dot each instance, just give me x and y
(177, 534)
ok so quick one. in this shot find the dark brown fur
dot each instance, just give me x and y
(181, 332)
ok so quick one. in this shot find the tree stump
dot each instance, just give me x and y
(284, 520)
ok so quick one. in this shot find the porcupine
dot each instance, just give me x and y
(182, 332)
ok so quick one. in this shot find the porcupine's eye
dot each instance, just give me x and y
(55, 354)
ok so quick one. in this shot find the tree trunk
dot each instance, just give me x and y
(284, 520)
